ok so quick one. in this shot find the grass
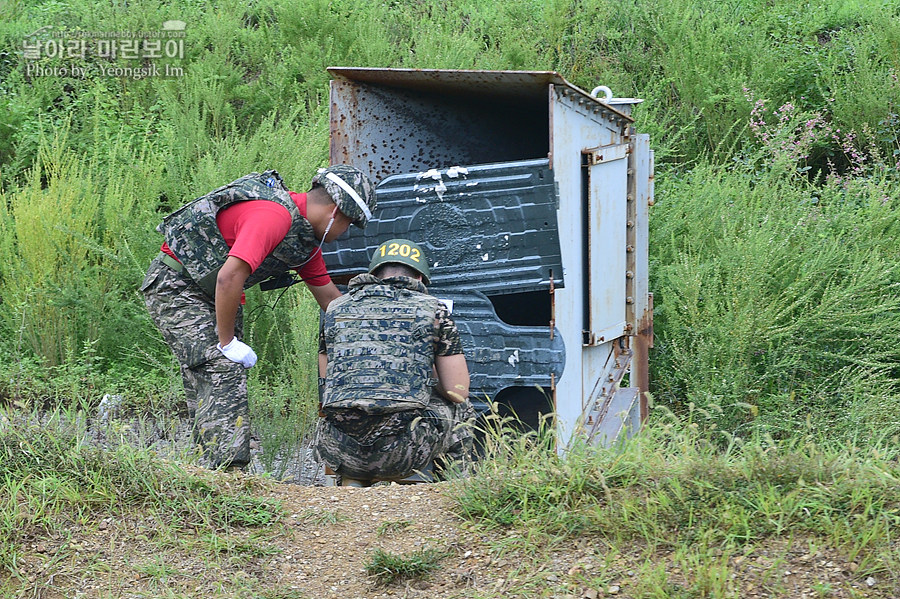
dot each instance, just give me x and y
(55, 478)
(319, 518)
(758, 159)
(674, 496)
(392, 527)
(387, 567)
(253, 546)
(668, 514)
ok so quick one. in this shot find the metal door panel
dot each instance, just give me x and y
(607, 171)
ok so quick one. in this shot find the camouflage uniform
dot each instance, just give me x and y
(368, 430)
(180, 300)
(215, 387)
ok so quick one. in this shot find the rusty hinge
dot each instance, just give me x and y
(606, 154)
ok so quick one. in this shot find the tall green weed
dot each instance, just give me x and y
(284, 384)
(778, 298)
(690, 60)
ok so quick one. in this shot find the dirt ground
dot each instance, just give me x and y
(329, 533)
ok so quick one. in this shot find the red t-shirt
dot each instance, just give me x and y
(253, 228)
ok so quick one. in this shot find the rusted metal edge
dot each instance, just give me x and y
(500, 83)
(643, 342)
(622, 356)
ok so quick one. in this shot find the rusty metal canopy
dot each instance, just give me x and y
(514, 86)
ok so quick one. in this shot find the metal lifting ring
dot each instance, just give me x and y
(607, 92)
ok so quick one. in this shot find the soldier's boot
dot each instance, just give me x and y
(355, 482)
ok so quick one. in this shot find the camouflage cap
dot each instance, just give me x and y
(401, 251)
(352, 191)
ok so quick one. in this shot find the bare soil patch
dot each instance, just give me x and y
(327, 535)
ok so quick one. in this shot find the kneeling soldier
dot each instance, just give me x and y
(396, 381)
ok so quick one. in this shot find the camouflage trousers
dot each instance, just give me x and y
(215, 387)
(366, 446)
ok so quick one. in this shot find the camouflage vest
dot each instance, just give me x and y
(380, 340)
(195, 239)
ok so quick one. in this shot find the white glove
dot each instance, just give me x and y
(238, 351)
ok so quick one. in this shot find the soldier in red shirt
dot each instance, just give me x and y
(239, 235)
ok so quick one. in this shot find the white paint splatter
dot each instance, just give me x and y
(455, 171)
(430, 174)
(513, 359)
(484, 258)
(439, 189)
(434, 174)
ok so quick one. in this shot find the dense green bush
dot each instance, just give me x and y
(779, 295)
(775, 130)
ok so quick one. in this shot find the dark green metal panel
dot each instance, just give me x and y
(501, 355)
(490, 227)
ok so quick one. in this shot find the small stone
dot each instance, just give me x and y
(870, 581)
(613, 589)
(853, 566)
(589, 594)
